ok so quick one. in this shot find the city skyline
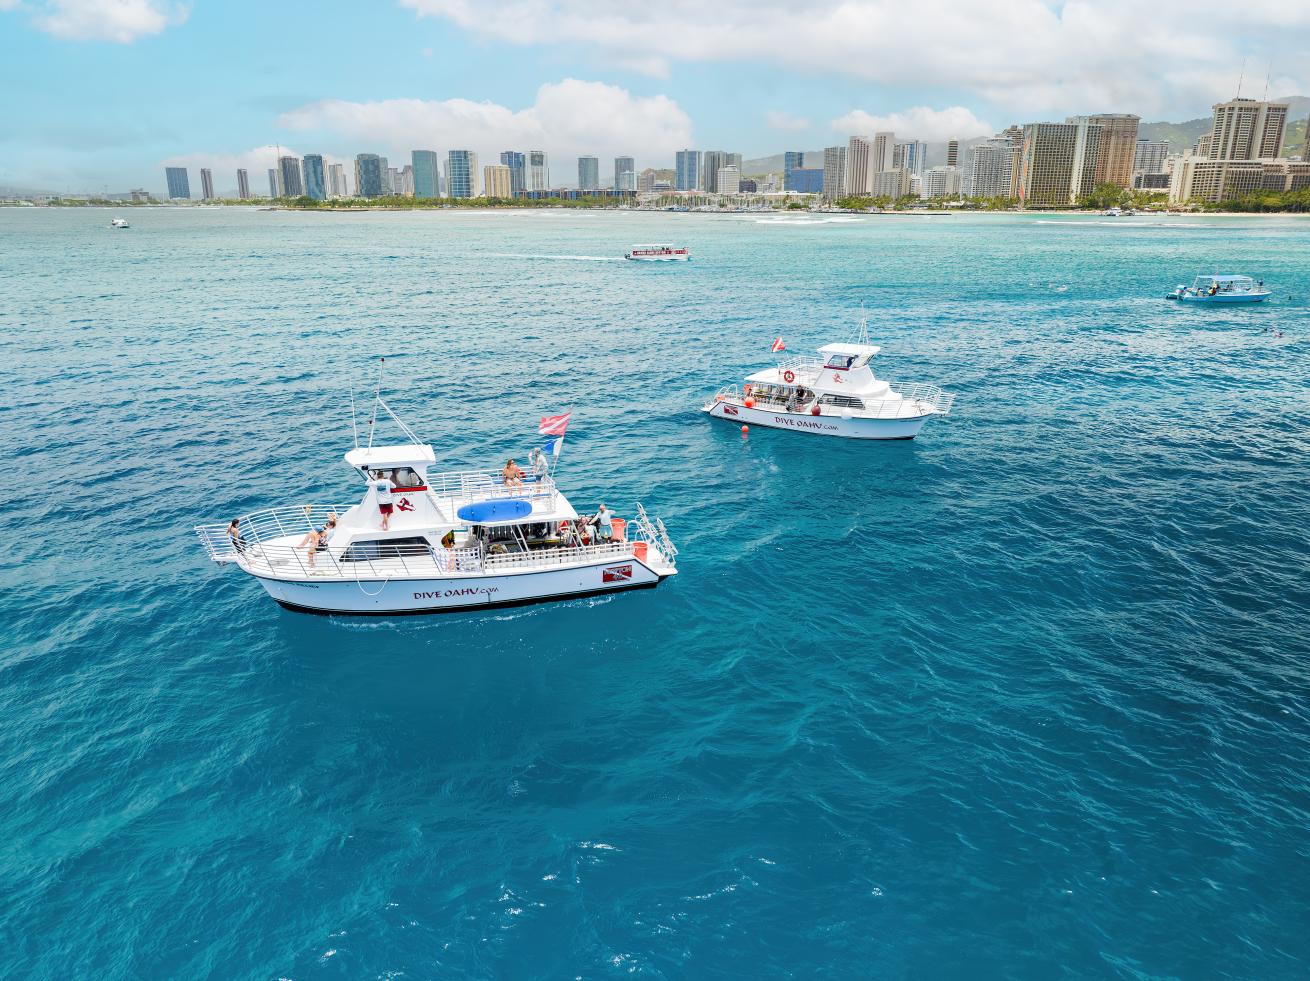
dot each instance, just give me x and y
(787, 81)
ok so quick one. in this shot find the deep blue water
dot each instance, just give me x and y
(1027, 697)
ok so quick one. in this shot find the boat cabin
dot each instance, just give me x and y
(1211, 285)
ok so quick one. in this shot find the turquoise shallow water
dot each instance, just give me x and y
(1026, 697)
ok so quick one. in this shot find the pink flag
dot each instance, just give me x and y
(554, 425)
(778, 346)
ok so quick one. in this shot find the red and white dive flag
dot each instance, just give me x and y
(778, 346)
(554, 425)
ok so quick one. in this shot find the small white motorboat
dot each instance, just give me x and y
(119, 223)
(1221, 289)
(658, 253)
(835, 394)
(453, 541)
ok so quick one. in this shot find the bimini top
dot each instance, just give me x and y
(653, 245)
(850, 350)
(1226, 279)
(489, 512)
(387, 457)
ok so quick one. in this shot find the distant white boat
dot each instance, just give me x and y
(119, 223)
(1113, 212)
(658, 253)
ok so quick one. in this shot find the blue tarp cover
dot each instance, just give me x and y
(485, 512)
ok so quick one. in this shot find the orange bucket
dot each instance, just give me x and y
(639, 551)
(619, 527)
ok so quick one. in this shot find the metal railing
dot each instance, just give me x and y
(262, 549)
(911, 401)
(485, 485)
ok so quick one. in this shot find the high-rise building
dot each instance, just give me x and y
(243, 184)
(942, 182)
(388, 187)
(1114, 159)
(687, 176)
(427, 183)
(497, 182)
(588, 174)
(462, 174)
(1086, 157)
(1056, 163)
(646, 181)
(989, 168)
(1245, 129)
(953, 153)
(179, 184)
(625, 174)
(880, 157)
(517, 164)
(791, 160)
(1149, 156)
(909, 155)
(289, 177)
(407, 180)
(727, 180)
(834, 172)
(859, 166)
(337, 187)
(315, 176)
(274, 183)
(395, 182)
(1014, 136)
(893, 183)
(807, 180)
(368, 175)
(206, 184)
(538, 171)
(712, 161)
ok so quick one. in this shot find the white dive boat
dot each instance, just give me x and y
(455, 541)
(835, 394)
(119, 223)
(1112, 212)
(1220, 289)
(658, 253)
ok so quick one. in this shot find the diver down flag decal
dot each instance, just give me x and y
(617, 573)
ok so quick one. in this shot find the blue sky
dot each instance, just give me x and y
(108, 90)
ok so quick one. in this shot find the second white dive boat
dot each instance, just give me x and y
(119, 223)
(835, 394)
(453, 541)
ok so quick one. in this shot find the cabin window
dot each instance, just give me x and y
(386, 548)
(842, 401)
(840, 361)
(399, 476)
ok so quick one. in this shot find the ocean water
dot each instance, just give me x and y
(1027, 697)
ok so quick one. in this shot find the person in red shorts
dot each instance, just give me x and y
(382, 488)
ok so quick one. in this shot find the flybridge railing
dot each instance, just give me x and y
(654, 532)
(483, 485)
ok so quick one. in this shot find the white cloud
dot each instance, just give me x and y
(785, 121)
(1031, 56)
(568, 118)
(122, 21)
(919, 123)
(9, 4)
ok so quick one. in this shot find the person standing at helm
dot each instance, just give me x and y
(382, 485)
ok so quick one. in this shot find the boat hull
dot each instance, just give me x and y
(825, 425)
(456, 593)
(657, 258)
(1222, 298)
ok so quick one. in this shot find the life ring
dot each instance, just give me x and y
(789, 376)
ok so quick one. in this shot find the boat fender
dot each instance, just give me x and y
(789, 376)
(815, 410)
(749, 402)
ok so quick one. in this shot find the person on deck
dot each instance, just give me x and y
(540, 465)
(512, 475)
(604, 525)
(234, 535)
(317, 539)
(382, 489)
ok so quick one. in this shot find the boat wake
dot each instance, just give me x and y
(573, 258)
